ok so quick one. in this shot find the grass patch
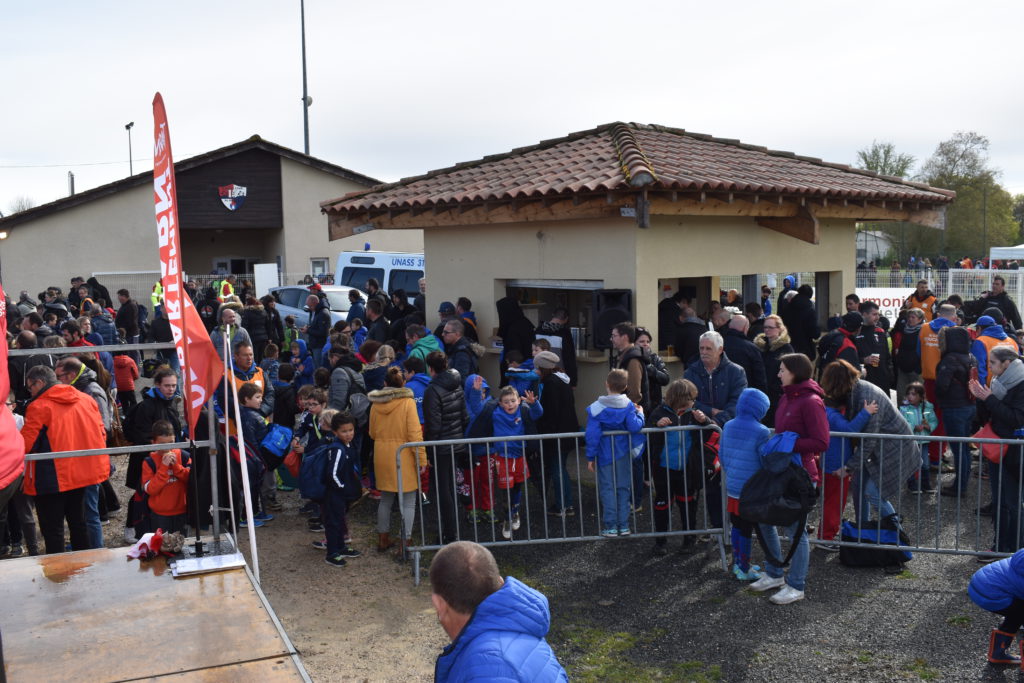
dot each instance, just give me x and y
(959, 620)
(604, 659)
(857, 595)
(865, 657)
(920, 668)
(907, 574)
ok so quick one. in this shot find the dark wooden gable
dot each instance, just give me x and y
(199, 202)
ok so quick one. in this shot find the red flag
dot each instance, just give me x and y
(201, 367)
(12, 447)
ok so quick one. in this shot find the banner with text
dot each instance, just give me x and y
(201, 367)
(889, 299)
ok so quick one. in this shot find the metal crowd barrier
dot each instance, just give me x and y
(948, 525)
(478, 507)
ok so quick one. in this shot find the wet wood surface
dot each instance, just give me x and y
(97, 616)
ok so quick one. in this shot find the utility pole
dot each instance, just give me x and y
(128, 127)
(306, 99)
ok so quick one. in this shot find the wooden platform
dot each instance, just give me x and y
(96, 616)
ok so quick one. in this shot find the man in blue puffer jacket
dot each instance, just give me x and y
(497, 626)
(999, 588)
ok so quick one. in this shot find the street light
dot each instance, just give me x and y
(128, 127)
(306, 99)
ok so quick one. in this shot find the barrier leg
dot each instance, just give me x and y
(416, 568)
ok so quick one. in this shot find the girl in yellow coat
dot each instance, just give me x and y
(394, 421)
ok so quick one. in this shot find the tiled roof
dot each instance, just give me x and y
(621, 156)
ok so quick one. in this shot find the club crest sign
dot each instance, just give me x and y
(232, 196)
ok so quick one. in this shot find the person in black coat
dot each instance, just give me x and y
(802, 321)
(1002, 405)
(743, 352)
(873, 348)
(255, 322)
(687, 335)
(445, 417)
(954, 400)
(556, 397)
(275, 326)
(773, 344)
(515, 330)
(558, 334)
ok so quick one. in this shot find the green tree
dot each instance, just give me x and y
(1018, 214)
(882, 158)
(982, 214)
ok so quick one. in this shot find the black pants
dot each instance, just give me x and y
(6, 494)
(53, 509)
(127, 399)
(669, 486)
(443, 492)
(1013, 616)
(335, 507)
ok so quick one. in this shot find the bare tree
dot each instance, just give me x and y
(21, 203)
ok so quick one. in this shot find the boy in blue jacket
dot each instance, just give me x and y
(254, 429)
(743, 439)
(303, 363)
(342, 487)
(999, 588)
(614, 455)
(508, 417)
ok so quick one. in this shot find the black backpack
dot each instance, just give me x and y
(781, 493)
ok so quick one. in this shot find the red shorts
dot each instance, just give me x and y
(511, 471)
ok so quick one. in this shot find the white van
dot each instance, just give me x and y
(393, 270)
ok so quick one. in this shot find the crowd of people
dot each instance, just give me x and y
(348, 394)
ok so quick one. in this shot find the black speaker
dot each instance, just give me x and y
(610, 307)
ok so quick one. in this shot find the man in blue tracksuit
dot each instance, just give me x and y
(497, 626)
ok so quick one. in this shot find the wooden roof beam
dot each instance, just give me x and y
(803, 226)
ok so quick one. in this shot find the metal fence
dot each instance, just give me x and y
(969, 284)
(473, 491)
(465, 500)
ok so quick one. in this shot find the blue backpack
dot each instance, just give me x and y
(311, 474)
(278, 440)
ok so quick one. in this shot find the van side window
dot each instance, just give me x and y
(353, 276)
(409, 280)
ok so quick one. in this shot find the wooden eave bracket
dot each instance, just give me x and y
(803, 226)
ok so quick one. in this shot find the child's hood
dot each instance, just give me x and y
(468, 385)
(611, 409)
(752, 404)
(302, 347)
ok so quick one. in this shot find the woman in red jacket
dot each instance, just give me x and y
(802, 410)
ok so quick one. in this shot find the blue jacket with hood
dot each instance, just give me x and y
(503, 641)
(839, 447)
(305, 359)
(994, 586)
(613, 412)
(475, 400)
(719, 389)
(418, 384)
(743, 437)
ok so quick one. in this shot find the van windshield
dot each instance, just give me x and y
(354, 276)
(338, 301)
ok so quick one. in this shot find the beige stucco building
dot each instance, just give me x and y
(111, 229)
(647, 209)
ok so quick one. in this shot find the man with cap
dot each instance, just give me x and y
(447, 312)
(990, 335)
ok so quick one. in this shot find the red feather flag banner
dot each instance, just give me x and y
(202, 369)
(12, 448)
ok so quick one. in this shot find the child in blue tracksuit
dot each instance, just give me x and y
(271, 364)
(520, 374)
(743, 439)
(614, 455)
(477, 393)
(836, 481)
(254, 429)
(342, 487)
(302, 360)
(999, 588)
(508, 417)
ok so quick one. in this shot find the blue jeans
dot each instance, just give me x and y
(869, 496)
(614, 486)
(958, 423)
(92, 516)
(797, 577)
(171, 357)
(558, 474)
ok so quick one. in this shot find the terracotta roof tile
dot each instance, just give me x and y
(621, 156)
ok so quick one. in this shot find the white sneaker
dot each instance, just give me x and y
(515, 522)
(506, 529)
(787, 595)
(766, 583)
(129, 535)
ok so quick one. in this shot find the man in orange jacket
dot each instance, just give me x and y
(61, 418)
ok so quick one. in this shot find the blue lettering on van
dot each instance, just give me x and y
(408, 262)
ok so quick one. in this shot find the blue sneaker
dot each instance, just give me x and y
(624, 531)
(263, 516)
(245, 525)
(610, 533)
(752, 574)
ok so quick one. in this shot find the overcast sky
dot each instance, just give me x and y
(404, 87)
